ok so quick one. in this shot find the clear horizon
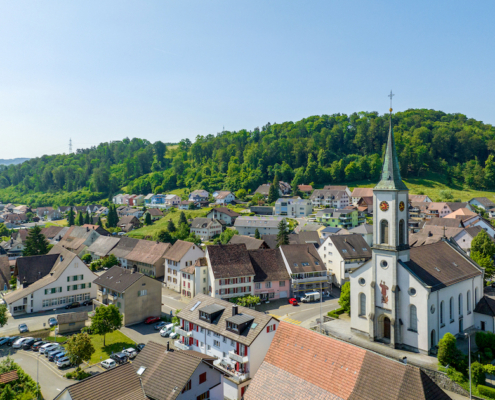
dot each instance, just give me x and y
(161, 70)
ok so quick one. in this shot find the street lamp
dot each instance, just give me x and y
(469, 355)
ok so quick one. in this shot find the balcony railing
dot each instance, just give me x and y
(237, 357)
(312, 279)
(181, 346)
(236, 376)
(183, 332)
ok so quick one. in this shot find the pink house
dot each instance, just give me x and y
(271, 281)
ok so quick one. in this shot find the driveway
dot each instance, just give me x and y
(142, 333)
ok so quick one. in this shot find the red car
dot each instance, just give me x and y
(151, 320)
(293, 302)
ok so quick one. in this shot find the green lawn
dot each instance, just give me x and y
(157, 226)
(115, 342)
(59, 339)
(62, 222)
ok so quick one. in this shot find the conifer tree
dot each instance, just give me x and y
(100, 224)
(36, 243)
(283, 233)
(273, 192)
(257, 234)
(182, 218)
(80, 219)
(70, 217)
(86, 218)
(147, 219)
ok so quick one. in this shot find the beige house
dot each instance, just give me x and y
(71, 322)
(136, 295)
(147, 257)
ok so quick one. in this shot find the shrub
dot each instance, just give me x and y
(486, 391)
(345, 297)
(489, 354)
(456, 376)
(477, 373)
(448, 353)
(69, 375)
(86, 258)
(336, 313)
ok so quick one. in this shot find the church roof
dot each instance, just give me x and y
(440, 264)
(391, 179)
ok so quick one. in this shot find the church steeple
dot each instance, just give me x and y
(391, 179)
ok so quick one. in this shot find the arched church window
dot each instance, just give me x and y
(468, 301)
(460, 304)
(441, 312)
(384, 232)
(402, 232)
(362, 304)
(413, 318)
(451, 308)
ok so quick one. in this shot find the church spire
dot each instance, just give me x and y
(390, 178)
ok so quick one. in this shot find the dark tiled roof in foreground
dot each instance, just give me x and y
(302, 364)
(118, 279)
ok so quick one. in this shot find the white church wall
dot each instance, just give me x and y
(361, 323)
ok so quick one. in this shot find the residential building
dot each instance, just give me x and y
(440, 285)
(338, 187)
(115, 199)
(195, 278)
(271, 280)
(309, 227)
(97, 229)
(154, 213)
(230, 271)
(223, 197)
(333, 370)
(261, 210)
(223, 215)
(294, 238)
(284, 189)
(305, 268)
(158, 200)
(53, 215)
(329, 198)
(366, 231)
(306, 189)
(13, 248)
(199, 195)
(148, 257)
(437, 209)
(50, 281)
(294, 207)
(419, 198)
(342, 254)
(123, 248)
(172, 200)
(206, 228)
(184, 205)
(148, 198)
(329, 231)
(128, 223)
(136, 295)
(54, 234)
(266, 225)
(71, 322)
(482, 202)
(455, 206)
(342, 218)
(484, 313)
(181, 254)
(102, 247)
(42, 212)
(238, 337)
(365, 205)
(5, 273)
(359, 193)
(78, 238)
(250, 242)
(138, 200)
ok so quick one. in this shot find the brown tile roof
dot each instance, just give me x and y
(297, 255)
(362, 192)
(302, 364)
(305, 188)
(222, 194)
(432, 234)
(118, 279)
(51, 231)
(461, 212)
(251, 243)
(167, 373)
(120, 383)
(335, 187)
(7, 377)
(219, 325)
(103, 245)
(229, 261)
(124, 247)
(420, 198)
(179, 250)
(351, 246)
(447, 222)
(148, 252)
(199, 223)
(154, 212)
(128, 219)
(440, 265)
(67, 318)
(268, 265)
(224, 210)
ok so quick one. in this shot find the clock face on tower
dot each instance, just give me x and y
(384, 206)
(401, 206)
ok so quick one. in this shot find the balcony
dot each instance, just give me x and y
(181, 346)
(312, 279)
(237, 377)
(237, 357)
(183, 332)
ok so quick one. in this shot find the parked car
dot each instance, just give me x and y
(18, 343)
(87, 303)
(11, 340)
(52, 322)
(27, 344)
(23, 328)
(140, 347)
(107, 364)
(166, 330)
(55, 353)
(130, 352)
(120, 358)
(55, 350)
(173, 335)
(60, 355)
(160, 325)
(48, 347)
(4, 340)
(63, 362)
(37, 345)
(75, 304)
(310, 297)
(293, 301)
(151, 320)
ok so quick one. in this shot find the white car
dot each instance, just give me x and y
(108, 364)
(63, 362)
(48, 347)
(166, 330)
(130, 352)
(18, 343)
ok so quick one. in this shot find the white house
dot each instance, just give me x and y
(206, 228)
(181, 255)
(63, 279)
(359, 193)
(239, 337)
(194, 279)
(172, 200)
(409, 298)
(366, 231)
(482, 202)
(223, 197)
(198, 195)
(266, 225)
(223, 214)
(342, 254)
(293, 207)
(330, 198)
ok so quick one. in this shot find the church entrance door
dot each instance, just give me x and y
(386, 328)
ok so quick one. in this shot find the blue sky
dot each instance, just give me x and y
(163, 70)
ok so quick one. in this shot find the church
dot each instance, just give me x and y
(409, 298)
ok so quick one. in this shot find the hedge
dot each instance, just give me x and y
(486, 391)
(336, 313)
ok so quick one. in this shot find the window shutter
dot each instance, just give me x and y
(267, 329)
(274, 327)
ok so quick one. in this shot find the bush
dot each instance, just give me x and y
(486, 391)
(86, 258)
(345, 297)
(456, 376)
(448, 353)
(489, 354)
(336, 313)
(69, 375)
(477, 373)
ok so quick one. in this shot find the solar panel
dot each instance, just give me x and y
(195, 306)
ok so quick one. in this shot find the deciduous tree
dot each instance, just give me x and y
(106, 320)
(79, 348)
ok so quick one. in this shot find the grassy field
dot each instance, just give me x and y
(149, 231)
(115, 342)
(62, 222)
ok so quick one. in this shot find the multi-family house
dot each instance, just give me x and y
(238, 337)
(339, 218)
(136, 295)
(50, 281)
(330, 198)
(206, 228)
(271, 280)
(148, 198)
(306, 269)
(117, 199)
(53, 215)
(223, 215)
(342, 254)
(482, 202)
(13, 248)
(138, 200)
(123, 248)
(102, 247)
(293, 207)
(194, 279)
(437, 209)
(130, 200)
(359, 193)
(172, 200)
(230, 271)
(339, 187)
(158, 200)
(42, 212)
(181, 255)
(265, 225)
(125, 199)
(148, 257)
(223, 197)
(366, 231)
(199, 195)
(78, 238)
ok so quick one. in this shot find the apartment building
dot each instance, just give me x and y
(293, 207)
(181, 255)
(330, 198)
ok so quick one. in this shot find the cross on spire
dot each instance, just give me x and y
(391, 95)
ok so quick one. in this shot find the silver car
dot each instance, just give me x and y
(130, 352)
(63, 362)
(48, 347)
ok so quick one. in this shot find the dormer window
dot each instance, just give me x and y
(204, 316)
(232, 327)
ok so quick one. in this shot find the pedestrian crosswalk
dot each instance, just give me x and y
(286, 319)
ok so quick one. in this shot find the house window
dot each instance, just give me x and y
(441, 312)
(216, 343)
(413, 318)
(143, 292)
(362, 304)
(281, 283)
(468, 298)
(268, 285)
(187, 387)
(460, 304)
(257, 285)
(202, 378)
(451, 309)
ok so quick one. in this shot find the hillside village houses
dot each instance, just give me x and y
(482, 202)
(330, 198)
(172, 200)
(199, 195)
(205, 228)
(284, 189)
(266, 225)
(180, 255)
(223, 197)
(339, 218)
(294, 207)
(223, 215)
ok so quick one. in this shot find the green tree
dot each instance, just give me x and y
(87, 258)
(241, 194)
(13, 282)
(79, 348)
(7, 393)
(171, 226)
(490, 172)
(191, 206)
(147, 219)
(36, 243)
(483, 245)
(193, 238)
(283, 233)
(70, 217)
(183, 232)
(477, 374)
(110, 261)
(100, 224)
(3, 315)
(3, 230)
(345, 297)
(86, 219)
(164, 237)
(273, 192)
(448, 352)
(227, 234)
(144, 208)
(182, 218)
(106, 320)
(80, 219)
(257, 234)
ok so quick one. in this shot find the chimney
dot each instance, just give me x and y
(404, 360)
(168, 346)
(61, 258)
(234, 310)
(87, 229)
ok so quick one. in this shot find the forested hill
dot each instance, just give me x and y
(12, 161)
(319, 149)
